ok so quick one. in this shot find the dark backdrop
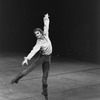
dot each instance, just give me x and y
(74, 26)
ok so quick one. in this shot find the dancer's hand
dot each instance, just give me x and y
(25, 61)
(46, 18)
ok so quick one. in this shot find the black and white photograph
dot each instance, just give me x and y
(49, 49)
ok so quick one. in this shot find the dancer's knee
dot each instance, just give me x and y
(24, 73)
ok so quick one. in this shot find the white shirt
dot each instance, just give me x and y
(43, 44)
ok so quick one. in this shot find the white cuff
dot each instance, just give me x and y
(26, 58)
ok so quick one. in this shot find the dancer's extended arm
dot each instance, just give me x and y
(46, 24)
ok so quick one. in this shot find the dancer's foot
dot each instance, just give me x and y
(44, 92)
(17, 78)
(14, 81)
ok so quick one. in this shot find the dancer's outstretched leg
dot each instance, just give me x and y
(26, 71)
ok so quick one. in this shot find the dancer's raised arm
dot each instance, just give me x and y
(46, 24)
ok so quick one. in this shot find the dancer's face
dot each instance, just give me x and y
(38, 34)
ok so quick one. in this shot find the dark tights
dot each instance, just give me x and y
(45, 60)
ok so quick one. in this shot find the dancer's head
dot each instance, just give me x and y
(38, 32)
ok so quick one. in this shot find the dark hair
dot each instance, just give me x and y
(38, 29)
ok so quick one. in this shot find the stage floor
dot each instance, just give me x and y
(68, 80)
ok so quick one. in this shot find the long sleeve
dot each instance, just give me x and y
(46, 25)
(35, 49)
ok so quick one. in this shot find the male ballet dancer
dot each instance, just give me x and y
(44, 46)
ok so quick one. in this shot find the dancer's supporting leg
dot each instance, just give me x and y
(45, 68)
